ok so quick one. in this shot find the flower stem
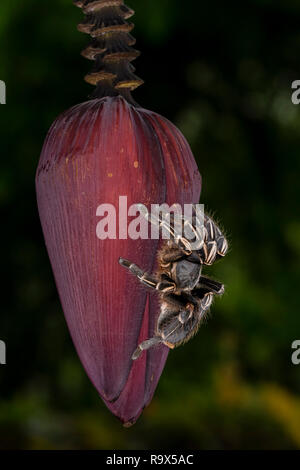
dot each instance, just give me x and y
(111, 47)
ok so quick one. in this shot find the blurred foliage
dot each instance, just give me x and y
(222, 71)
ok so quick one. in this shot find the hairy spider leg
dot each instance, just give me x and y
(215, 245)
(150, 281)
(149, 343)
(176, 233)
(175, 255)
(213, 286)
(142, 275)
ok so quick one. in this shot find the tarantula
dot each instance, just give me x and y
(185, 295)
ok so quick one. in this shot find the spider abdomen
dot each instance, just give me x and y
(174, 327)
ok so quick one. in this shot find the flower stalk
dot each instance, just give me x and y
(111, 47)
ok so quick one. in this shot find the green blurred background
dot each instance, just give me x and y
(222, 71)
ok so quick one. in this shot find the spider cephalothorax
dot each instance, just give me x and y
(185, 295)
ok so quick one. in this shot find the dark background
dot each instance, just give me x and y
(222, 71)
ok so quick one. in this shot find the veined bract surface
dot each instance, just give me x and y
(94, 153)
